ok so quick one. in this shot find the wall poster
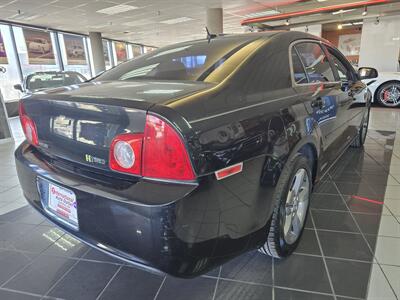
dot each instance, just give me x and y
(39, 46)
(3, 54)
(75, 49)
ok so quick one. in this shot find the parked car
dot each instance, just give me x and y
(39, 45)
(40, 81)
(194, 153)
(385, 88)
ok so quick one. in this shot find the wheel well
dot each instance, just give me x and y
(377, 89)
(309, 151)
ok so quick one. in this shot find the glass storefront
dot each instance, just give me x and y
(9, 64)
(26, 50)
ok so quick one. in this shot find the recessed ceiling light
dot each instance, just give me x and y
(269, 12)
(176, 20)
(113, 10)
(340, 26)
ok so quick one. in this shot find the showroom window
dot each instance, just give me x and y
(316, 63)
(107, 54)
(74, 53)
(9, 62)
(36, 50)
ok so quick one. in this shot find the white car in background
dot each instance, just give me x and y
(39, 45)
(385, 88)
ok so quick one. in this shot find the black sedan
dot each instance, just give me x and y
(195, 153)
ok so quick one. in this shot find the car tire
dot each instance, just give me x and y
(359, 140)
(281, 241)
(393, 90)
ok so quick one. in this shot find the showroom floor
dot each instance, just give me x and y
(349, 250)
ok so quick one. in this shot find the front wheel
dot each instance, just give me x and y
(292, 199)
(389, 94)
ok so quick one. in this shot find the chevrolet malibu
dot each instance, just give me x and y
(195, 153)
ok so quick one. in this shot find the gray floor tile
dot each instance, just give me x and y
(199, 288)
(302, 272)
(88, 279)
(228, 290)
(282, 294)
(349, 278)
(252, 267)
(133, 283)
(345, 245)
(41, 275)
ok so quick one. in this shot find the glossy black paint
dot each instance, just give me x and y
(255, 115)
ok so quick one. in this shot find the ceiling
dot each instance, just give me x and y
(161, 22)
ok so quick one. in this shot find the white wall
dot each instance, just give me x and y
(380, 44)
(312, 29)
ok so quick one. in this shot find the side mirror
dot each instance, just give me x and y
(367, 73)
(18, 87)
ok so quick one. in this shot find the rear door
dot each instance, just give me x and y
(324, 96)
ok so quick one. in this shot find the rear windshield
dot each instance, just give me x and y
(41, 81)
(190, 61)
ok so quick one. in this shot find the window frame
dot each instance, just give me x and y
(322, 45)
(342, 60)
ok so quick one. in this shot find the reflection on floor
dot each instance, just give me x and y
(349, 250)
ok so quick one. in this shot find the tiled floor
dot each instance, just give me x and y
(349, 250)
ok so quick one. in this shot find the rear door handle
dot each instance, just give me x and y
(317, 103)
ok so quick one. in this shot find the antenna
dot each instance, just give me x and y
(210, 36)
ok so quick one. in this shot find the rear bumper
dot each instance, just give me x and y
(185, 234)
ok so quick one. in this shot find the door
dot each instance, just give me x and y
(352, 90)
(323, 101)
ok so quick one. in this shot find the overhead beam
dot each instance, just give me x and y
(325, 9)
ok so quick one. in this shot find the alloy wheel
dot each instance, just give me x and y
(296, 206)
(390, 95)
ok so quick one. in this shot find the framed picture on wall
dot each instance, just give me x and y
(349, 44)
(39, 46)
(3, 54)
(74, 49)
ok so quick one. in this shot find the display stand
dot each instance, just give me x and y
(5, 131)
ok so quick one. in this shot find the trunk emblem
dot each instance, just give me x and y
(94, 160)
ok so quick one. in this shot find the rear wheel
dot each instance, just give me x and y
(389, 94)
(292, 199)
(359, 141)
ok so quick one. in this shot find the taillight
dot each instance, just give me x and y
(28, 126)
(164, 153)
(126, 153)
(159, 153)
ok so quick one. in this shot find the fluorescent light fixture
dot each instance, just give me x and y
(176, 20)
(321, 0)
(113, 10)
(352, 24)
(262, 13)
(396, 38)
(342, 11)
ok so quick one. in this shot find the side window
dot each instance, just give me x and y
(315, 61)
(343, 71)
(299, 75)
